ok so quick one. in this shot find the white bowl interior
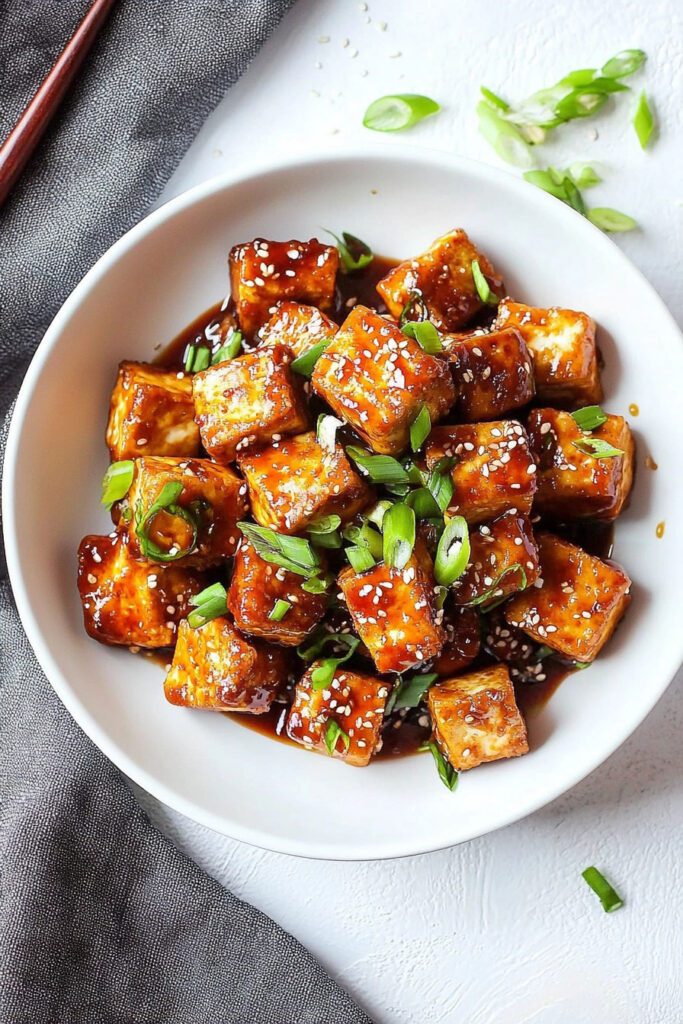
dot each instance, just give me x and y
(157, 279)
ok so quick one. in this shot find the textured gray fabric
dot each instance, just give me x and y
(101, 919)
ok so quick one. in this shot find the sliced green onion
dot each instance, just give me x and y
(583, 175)
(643, 121)
(347, 246)
(597, 448)
(447, 772)
(497, 102)
(230, 350)
(324, 524)
(481, 284)
(313, 647)
(398, 112)
(334, 733)
(420, 428)
(588, 418)
(398, 535)
(292, 553)
(198, 358)
(503, 136)
(316, 584)
(440, 483)
(376, 513)
(359, 558)
(611, 220)
(415, 304)
(279, 610)
(116, 482)
(453, 552)
(326, 432)
(167, 501)
(610, 899)
(209, 604)
(573, 196)
(423, 503)
(409, 691)
(425, 334)
(365, 537)
(581, 102)
(331, 540)
(304, 364)
(580, 665)
(583, 76)
(323, 673)
(623, 64)
(382, 469)
(490, 593)
(546, 181)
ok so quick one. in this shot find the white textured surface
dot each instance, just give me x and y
(502, 930)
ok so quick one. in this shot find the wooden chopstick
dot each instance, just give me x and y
(27, 132)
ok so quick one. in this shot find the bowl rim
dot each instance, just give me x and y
(393, 151)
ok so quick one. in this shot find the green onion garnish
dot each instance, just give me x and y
(348, 245)
(481, 284)
(330, 540)
(323, 673)
(588, 418)
(503, 136)
(396, 113)
(314, 645)
(583, 175)
(425, 334)
(230, 350)
(333, 733)
(279, 610)
(209, 604)
(376, 513)
(453, 552)
(420, 428)
(497, 102)
(324, 524)
(365, 537)
(582, 102)
(447, 772)
(643, 121)
(197, 359)
(359, 558)
(292, 553)
(440, 483)
(491, 592)
(166, 502)
(423, 503)
(597, 448)
(382, 469)
(610, 899)
(623, 64)
(304, 364)
(398, 535)
(409, 691)
(116, 482)
(611, 220)
(415, 304)
(326, 432)
(316, 584)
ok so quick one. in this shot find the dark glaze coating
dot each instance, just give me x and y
(296, 327)
(503, 559)
(151, 412)
(493, 374)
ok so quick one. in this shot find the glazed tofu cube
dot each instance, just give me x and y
(475, 718)
(578, 603)
(129, 602)
(151, 413)
(378, 379)
(503, 560)
(248, 401)
(562, 346)
(296, 327)
(256, 587)
(263, 273)
(394, 613)
(216, 669)
(353, 701)
(494, 469)
(211, 502)
(295, 481)
(493, 374)
(442, 277)
(573, 484)
(462, 629)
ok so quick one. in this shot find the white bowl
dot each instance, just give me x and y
(153, 282)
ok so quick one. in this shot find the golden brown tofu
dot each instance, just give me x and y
(202, 522)
(394, 612)
(343, 719)
(576, 604)
(562, 346)
(442, 276)
(251, 400)
(573, 484)
(503, 560)
(462, 628)
(378, 379)
(493, 374)
(216, 669)
(295, 481)
(130, 602)
(256, 587)
(475, 718)
(263, 273)
(151, 413)
(494, 471)
(296, 327)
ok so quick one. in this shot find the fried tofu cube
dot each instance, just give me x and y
(256, 587)
(576, 605)
(562, 346)
(129, 602)
(295, 481)
(442, 278)
(462, 628)
(296, 327)
(248, 401)
(214, 668)
(151, 413)
(263, 273)
(494, 469)
(353, 701)
(572, 483)
(493, 374)
(476, 719)
(378, 379)
(394, 612)
(503, 560)
(202, 522)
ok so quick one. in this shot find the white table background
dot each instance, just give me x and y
(502, 930)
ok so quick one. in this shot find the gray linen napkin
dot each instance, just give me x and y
(101, 919)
